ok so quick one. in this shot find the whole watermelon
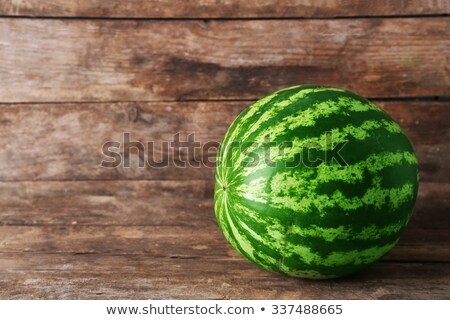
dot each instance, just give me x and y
(314, 182)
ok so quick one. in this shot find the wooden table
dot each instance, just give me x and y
(76, 74)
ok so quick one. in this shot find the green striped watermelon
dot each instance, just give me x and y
(314, 182)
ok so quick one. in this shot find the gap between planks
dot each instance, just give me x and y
(206, 19)
(373, 99)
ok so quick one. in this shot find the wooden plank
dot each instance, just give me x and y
(432, 208)
(73, 135)
(422, 245)
(108, 203)
(219, 9)
(95, 276)
(64, 141)
(154, 203)
(101, 60)
(181, 242)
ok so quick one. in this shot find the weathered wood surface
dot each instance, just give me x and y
(64, 141)
(107, 276)
(220, 9)
(85, 60)
(153, 203)
(70, 229)
(183, 242)
(159, 239)
(90, 219)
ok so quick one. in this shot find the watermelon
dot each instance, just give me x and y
(314, 182)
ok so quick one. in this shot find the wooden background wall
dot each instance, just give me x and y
(75, 74)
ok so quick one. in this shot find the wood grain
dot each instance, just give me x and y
(220, 9)
(159, 240)
(106, 276)
(104, 60)
(172, 219)
(108, 203)
(182, 242)
(85, 72)
(154, 203)
(64, 141)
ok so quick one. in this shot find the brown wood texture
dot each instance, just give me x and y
(70, 229)
(108, 276)
(66, 276)
(64, 141)
(153, 203)
(133, 218)
(220, 9)
(85, 60)
(154, 239)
